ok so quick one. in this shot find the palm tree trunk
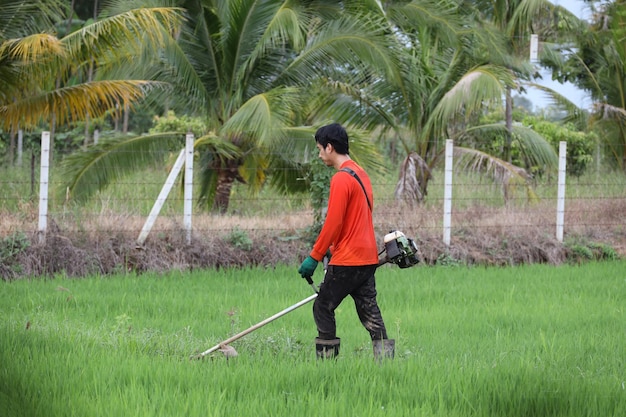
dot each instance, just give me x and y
(126, 111)
(225, 180)
(226, 176)
(509, 125)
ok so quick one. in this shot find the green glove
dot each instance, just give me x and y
(308, 267)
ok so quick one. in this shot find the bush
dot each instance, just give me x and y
(580, 145)
(590, 251)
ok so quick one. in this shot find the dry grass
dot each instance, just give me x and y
(78, 245)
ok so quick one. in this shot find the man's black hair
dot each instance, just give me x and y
(334, 134)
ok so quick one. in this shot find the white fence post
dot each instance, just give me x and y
(43, 186)
(560, 203)
(534, 47)
(188, 196)
(447, 197)
(20, 146)
(154, 213)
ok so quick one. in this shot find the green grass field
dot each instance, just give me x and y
(528, 341)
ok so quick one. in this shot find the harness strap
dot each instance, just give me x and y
(351, 172)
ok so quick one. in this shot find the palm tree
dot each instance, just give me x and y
(453, 66)
(595, 61)
(517, 20)
(18, 19)
(248, 67)
(41, 74)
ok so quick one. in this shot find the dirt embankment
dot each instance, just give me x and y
(480, 236)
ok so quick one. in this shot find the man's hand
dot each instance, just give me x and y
(307, 268)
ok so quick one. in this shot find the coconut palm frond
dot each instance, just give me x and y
(74, 102)
(298, 144)
(606, 111)
(502, 173)
(222, 149)
(364, 152)
(176, 68)
(131, 29)
(360, 44)
(525, 13)
(574, 114)
(24, 64)
(289, 176)
(32, 48)
(476, 88)
(19, 18)
(264, 116)
(256, 45)
(290, 164)
(288, 24)
(536, 150)
(39, 63)
(88, 172)
(345, 101)
(253, 171)
(440, 17)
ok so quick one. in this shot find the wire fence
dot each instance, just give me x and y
(594, 206)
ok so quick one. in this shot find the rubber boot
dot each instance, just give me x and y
(384, 349)
(327, 349)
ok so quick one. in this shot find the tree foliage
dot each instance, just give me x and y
(595, 61)
(247, 68)
(43, 76)
(253, 79)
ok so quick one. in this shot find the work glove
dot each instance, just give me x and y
(307, 268)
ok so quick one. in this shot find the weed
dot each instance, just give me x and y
(604, 251)
(581, 252)
(445, 259)
(587, 251)
(240, 239)
(13, 245)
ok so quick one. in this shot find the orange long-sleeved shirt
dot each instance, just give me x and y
(349, 227)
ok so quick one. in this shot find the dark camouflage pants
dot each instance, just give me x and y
(357, 282)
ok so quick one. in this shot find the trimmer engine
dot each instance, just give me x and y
(400, 249)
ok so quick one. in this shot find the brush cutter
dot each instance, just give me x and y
(398, 250)
(230, 351)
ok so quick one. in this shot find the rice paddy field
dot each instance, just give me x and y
(534, 340)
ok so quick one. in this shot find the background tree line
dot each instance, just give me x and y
(253, 80)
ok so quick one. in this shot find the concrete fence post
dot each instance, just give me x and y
(447, 194)
(158, 204)
(188, 194)
(560, 203)
(43, 186)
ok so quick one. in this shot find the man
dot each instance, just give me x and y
(348, 232)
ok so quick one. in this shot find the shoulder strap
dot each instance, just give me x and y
(351, 172)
